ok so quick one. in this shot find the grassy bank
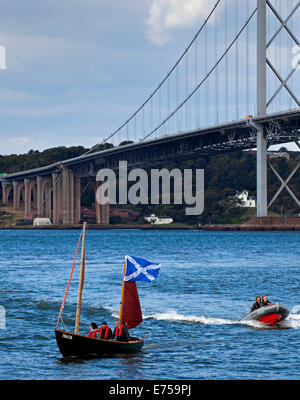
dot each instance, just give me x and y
(9, 216)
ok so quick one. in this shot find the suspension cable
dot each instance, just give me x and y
(204, 79)
(161, 83)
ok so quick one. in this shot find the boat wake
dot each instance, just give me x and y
(293, 321)
(172, 315)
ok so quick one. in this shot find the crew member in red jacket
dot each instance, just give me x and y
(104, 331)
(121, 332)
(93, 333)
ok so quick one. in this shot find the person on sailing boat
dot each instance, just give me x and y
(121, 332)
(93, 330)
(104, 331)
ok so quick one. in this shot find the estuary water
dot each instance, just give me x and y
(207, 282)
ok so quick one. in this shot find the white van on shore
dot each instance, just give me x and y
(41, 221)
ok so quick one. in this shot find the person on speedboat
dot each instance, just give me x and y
(257, 304)
(264, 301)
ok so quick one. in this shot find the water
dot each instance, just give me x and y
(207, 282)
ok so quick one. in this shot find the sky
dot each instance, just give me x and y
(76, 69)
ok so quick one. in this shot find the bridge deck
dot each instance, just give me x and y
(237, 135)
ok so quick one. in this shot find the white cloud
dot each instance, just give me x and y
(2, 57)
(165, 15)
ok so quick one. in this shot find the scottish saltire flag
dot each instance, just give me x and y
(138, 269)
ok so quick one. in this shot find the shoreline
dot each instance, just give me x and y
(215, 228)
(97, 227)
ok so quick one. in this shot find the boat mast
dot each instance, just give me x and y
(122, 293)
(81, 280)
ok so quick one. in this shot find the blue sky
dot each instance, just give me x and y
(76, 69)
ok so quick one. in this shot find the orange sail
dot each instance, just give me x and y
(131, 310)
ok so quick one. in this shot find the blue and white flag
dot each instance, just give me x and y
(138, 269)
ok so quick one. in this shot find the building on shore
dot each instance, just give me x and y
(156, 220)
(244, 200)
(278, 154)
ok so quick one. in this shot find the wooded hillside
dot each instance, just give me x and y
(224, 175)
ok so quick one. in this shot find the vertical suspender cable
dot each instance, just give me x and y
(247, 62)
(143, 121)
(207, 75)
(151, 113)
(168, 100)
(287, 44)
(177, 96)
(236, 64)
(226, 62)
(292, 77)
(196, 111)
(280, 56)
(161, 83)
(216, 72)
(276, 64)
(206, 96)
(159, 107)
(268, 75)
(288, 54)
(186, 90)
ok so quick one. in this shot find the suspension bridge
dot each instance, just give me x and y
(234, 87)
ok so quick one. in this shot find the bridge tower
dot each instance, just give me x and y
(263, 103)
(261, 142)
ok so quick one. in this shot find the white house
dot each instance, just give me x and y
(278, 154)
(153, 219)
(246, 200)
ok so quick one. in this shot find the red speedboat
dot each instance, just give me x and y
(270, 314)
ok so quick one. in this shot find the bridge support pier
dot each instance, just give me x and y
(32, 198)
(15, 199)
(47, 197)
(17, 190)
(77, 200)
(39, 199)
(26, 199)
(56, 199)
(70, 197)
(5, 192)
(102, 210)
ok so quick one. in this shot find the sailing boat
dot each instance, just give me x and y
(78, 345)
